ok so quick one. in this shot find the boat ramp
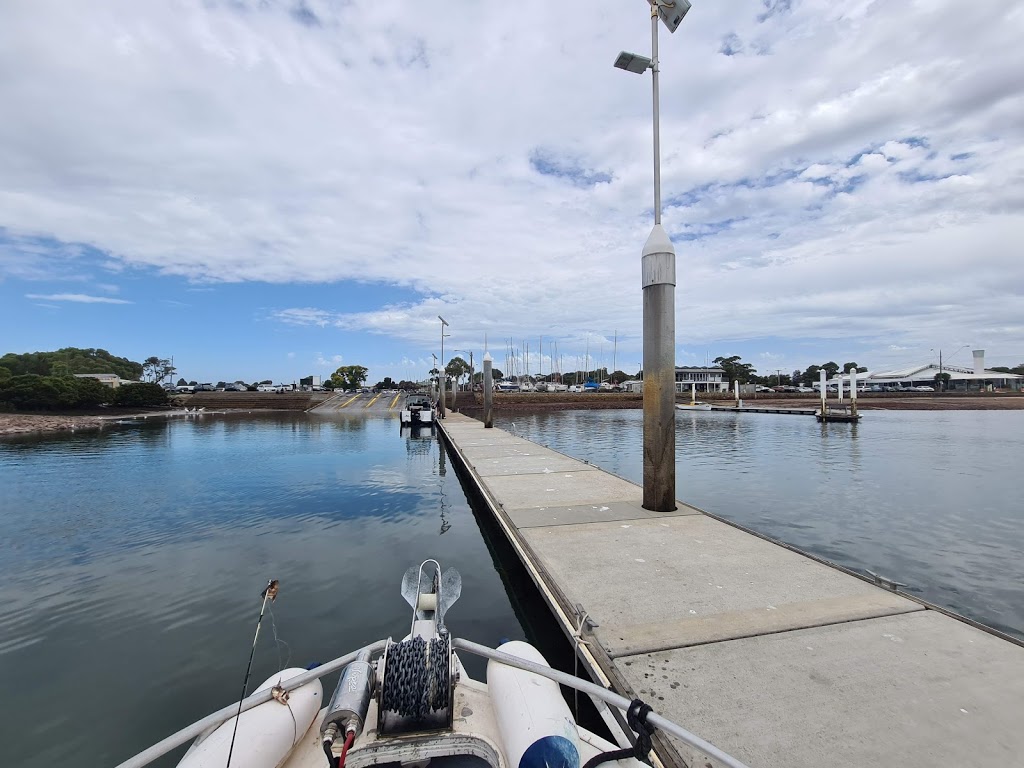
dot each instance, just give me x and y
(777, 657)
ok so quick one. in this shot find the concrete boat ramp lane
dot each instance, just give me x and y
(773, 656)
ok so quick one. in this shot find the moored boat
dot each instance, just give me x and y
(694, 404)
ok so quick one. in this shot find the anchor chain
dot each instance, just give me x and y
(417, 677)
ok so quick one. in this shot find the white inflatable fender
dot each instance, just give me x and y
(266, 734)
(537, 729)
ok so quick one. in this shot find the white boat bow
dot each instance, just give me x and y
(411, 702)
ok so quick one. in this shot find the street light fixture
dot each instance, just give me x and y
(441, 374)
(658, 278)
(633, 62)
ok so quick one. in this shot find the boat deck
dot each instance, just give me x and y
(776, 657)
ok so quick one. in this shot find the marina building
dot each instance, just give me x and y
(706, 378)
(961, 379)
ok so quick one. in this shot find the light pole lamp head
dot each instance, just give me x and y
(671, 12)
(442, 320)
(633, 62)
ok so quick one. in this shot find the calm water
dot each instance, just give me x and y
(931, 499)
(133, 561)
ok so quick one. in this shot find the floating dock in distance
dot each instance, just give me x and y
(837, 413)
(749, 409)
(778, 658)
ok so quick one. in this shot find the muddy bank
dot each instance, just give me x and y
(25, 423)
(921, 401)
(549, 401)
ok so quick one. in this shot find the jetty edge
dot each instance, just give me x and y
(777, 657)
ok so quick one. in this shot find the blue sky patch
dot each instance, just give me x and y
(548, 163)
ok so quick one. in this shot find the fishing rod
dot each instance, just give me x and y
(269, 593)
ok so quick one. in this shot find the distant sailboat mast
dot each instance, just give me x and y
(615, 353)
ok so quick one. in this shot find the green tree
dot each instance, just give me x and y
(810, 377)
(140, 395)
(182, 383)
(221, 384)
(91, 393)
(31, 392)
(831, 369)
(5, 373)
(156, 369)
(735, 369)
(456, 369)
(77, 361)
(349, 377)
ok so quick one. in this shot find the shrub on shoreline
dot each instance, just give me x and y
(31, 392)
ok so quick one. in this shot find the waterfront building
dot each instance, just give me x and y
(706, 378)
(961, 378)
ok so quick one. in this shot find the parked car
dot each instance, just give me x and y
(806, 390)
(207, 387)
(266, 388)
(762, 388)
(923, 388)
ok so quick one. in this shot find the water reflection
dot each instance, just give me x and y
(925, 498)
(133, 560)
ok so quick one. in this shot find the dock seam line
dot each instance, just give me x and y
(657, 649)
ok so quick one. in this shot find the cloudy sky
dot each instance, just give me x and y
(268, 188)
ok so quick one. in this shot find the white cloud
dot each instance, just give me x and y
(328, 362)
(835, 178)
(79, 298)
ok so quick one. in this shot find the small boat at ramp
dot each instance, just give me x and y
(418, 410)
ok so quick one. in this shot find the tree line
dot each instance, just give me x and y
(46, 381)
(745, 373)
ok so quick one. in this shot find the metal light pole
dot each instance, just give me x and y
(441, 374)
(658, 277)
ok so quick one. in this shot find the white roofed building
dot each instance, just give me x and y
(961, 378)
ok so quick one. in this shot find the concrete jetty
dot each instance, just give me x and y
(778, 658)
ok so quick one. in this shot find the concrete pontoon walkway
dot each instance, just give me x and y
(777, 658)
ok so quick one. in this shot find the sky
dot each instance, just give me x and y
(268, 189)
